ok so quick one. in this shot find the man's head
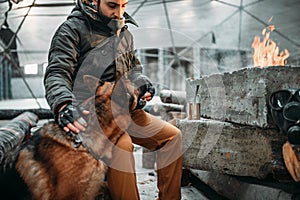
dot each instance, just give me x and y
(113, 9)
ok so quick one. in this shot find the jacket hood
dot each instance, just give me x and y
(95, 15)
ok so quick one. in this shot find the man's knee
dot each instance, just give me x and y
(179, 134)
(172, 131)
(125, 143)
(177, 137)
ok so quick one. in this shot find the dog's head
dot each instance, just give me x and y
(121, 93)
(113, 103)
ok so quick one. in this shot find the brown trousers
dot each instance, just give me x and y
(157, 135)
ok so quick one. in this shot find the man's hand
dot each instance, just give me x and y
(150, 91)
(147, 96)
(71, 118)
(146, 92)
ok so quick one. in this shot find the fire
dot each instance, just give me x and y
(266, 52)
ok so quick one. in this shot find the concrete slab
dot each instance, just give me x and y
(242, 96)
(234, 189)
(230, 148)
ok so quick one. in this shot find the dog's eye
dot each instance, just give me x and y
(100, 82)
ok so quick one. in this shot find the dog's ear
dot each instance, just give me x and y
(92, 82)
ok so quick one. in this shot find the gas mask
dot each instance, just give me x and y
(113, 24)
(285, 111)
(116, 24)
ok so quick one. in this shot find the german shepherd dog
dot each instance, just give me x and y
(48, 166)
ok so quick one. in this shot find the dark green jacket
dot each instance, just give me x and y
(74, 52)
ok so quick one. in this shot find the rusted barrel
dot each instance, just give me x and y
(14, 132)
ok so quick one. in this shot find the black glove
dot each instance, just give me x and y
(144, 85)
(69, 114)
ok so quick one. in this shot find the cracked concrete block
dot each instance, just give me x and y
(242, 96)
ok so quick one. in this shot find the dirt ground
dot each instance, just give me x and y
(146, 180)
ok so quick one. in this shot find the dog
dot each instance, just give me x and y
(49, 166)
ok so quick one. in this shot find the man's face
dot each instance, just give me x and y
(113, 9)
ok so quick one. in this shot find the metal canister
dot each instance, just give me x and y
(194, 109)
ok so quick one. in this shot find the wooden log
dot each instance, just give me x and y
(14, 132)
(166, 107)
(232, 149)
(42, 113)
(173, 96)
(163, 107)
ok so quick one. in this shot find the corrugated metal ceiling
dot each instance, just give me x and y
(167, 23)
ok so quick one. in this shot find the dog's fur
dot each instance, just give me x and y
(54, 169)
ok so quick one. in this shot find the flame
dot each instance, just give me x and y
(266, 52)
